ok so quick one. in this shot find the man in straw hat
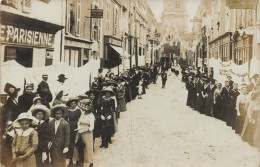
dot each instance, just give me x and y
(42, 113)
(59, 136)
(62, 87)
(44, 91)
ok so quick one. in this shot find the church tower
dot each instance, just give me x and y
(174, 13)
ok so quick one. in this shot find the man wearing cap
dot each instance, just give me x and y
(44, 91)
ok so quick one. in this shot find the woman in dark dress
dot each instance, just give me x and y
(189, 86)
(225, 94)
(209, 99)
(25, 101)
(93, 97)
(42, 114)
(194, 92)
(72, 117)
(232, 114)
(217, 111)
(204, 94)
(106, 109)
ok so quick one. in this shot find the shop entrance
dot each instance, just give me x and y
(22, 56)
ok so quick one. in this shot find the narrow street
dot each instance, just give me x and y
(160, 130)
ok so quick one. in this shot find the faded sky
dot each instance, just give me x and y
(157, 8)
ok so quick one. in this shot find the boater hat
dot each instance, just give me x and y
(25, 116)
(94, 91)
(71, 99)
(85, 105)
(43, 108)
(108, 89)
(59, 106)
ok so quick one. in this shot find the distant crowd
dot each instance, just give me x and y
(237, 104)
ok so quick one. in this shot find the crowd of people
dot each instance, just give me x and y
(237, 104)
(44, 127)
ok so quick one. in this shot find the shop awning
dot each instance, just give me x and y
(121, 52)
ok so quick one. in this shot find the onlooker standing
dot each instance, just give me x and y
(59, 137)
(85, 128)
(241, 103)
(210, 98)
(217, 111)
(232, 113)
(164, 78)
(231, 83)
(73, 117)
(25, 141)
(225, 93)
(44, 91)
(42, 113)
(25, 101)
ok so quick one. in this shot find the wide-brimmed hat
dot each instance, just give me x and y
(58, 106)
(112, 83)
(94, 91)
(62, 77)
(83, 96)
(8, 86)
(36, 98)
(43, 108)
(108, 89)
(71, 99)
(85, 105)
(25, 115)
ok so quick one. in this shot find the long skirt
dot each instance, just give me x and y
(209, 105)
(87, 138)
(115, 123)
(189, 98)
(240, 120)
(121, 105)
(256, 137)
(28, 162)
(217, 111)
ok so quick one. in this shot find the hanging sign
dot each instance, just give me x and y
(241, 4)
(96, 13)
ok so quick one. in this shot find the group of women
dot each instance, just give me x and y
(236, 104)
(40, 135)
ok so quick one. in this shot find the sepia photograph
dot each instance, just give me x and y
(130, 83)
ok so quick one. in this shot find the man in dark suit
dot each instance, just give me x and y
(230, 82)
(59, 136)
(44, 91)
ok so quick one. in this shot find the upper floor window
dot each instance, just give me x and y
(177, 4)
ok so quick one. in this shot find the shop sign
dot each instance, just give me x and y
(22, 36)
(96, 13)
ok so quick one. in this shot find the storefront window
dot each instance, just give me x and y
(72, 57)
(23, 56)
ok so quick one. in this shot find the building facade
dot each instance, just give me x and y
(28, 36)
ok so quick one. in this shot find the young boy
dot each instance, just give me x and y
(59, 136)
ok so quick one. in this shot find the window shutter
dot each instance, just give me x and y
(99, 29)
(27, 6)
(68, 17)
(78, 18)
(92, 29)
